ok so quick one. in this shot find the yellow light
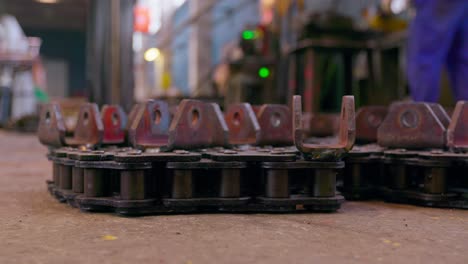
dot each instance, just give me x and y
(152, 54)
(267, 3)
(48, 1)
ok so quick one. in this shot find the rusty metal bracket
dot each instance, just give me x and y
(242, 123)
(51, 130)
(88, 131)
(197, 124)
(457, 132)
(347, 133)
(414, 125)
(368, 120)
(114, 121)
(149, 126)
(89, 128)
(275, 125)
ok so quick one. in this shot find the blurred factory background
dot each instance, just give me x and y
(260, 51)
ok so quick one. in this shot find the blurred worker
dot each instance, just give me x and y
(438, 36)
(16, 84)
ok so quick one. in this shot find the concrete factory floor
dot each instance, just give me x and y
(35, 228)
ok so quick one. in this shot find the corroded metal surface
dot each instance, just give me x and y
(242, 124)
(275, 124)
(149, 127)
(197, 124)
(368, 120)
(414, 125)
(88, 131)
(345, 139)
(51, 130)
(89, 128)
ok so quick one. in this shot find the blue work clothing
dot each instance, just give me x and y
(438, 36)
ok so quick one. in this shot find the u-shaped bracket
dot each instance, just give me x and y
(334, 151)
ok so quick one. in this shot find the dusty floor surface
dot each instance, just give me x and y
(35, 228)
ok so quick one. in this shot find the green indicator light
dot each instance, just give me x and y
(248, 34)
(263, 72)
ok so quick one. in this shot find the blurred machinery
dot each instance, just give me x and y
(334, 57)
(253, 72)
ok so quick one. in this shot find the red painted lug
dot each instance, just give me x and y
(457, 132)
(346, 136)
(368, 120)
(114, 120)
(275, 125)
(414, 125)
(149, 127)
(197, 124)
(242, 123)
(51, 130)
